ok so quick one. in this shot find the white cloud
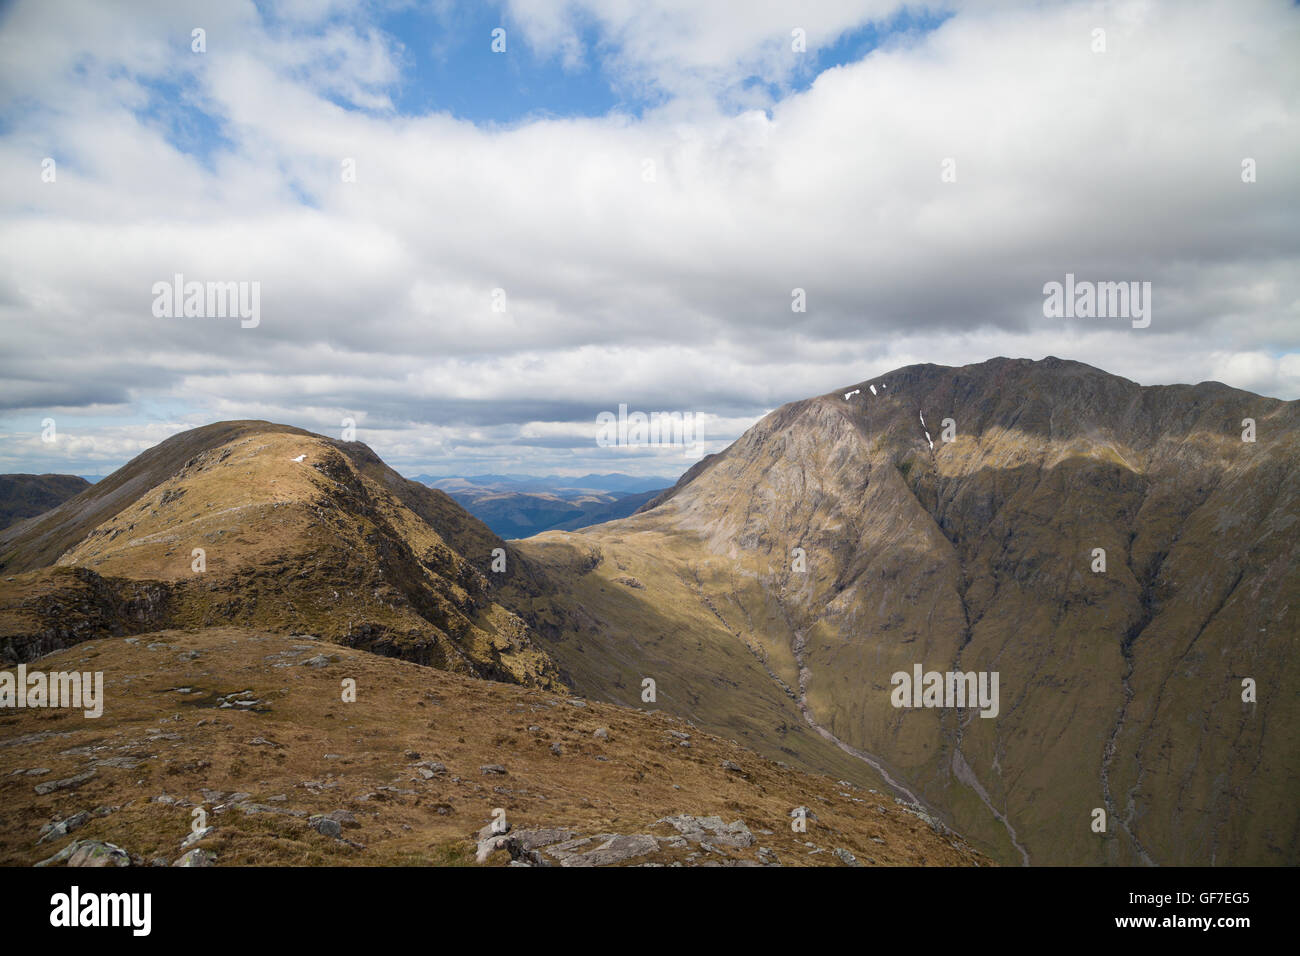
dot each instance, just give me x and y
(377, 296)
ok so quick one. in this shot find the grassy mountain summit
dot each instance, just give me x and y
(1121, 689)
(270, 526)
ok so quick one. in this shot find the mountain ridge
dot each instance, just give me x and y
(269, 526)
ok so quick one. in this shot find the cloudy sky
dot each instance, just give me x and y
(471, 253)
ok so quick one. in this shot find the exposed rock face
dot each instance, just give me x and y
(68, 783)
(711, 829)
(57, 831)
(55, 608)
(1119, 689)
(605, 850)
(326, 825)
(197, 857)
(196, 835)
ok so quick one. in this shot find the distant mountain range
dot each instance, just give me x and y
(627, 484)
(519, 506)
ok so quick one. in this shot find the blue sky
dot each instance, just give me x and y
(447, 65)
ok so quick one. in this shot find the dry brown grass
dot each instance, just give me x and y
(401, 707)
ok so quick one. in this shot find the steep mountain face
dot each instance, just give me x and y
(269, 526)
(25, 496)
(1120, 689)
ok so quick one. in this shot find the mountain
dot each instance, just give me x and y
(1120, 690)
(617, 505)
(297, 533)
(25, 496)
(628, 484)
(334, 546)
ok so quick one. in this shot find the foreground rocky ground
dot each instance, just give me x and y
(235, 747)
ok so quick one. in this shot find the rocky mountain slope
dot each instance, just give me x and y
(25, 496)
(1120, 690)
(269, 526)
(250, 730)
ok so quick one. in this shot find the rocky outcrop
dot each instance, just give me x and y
(89, 853)
(47, 610)
(561, 847)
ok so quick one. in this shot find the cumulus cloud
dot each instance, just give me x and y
(480, 292)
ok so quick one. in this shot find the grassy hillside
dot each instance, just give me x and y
(402, 768)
